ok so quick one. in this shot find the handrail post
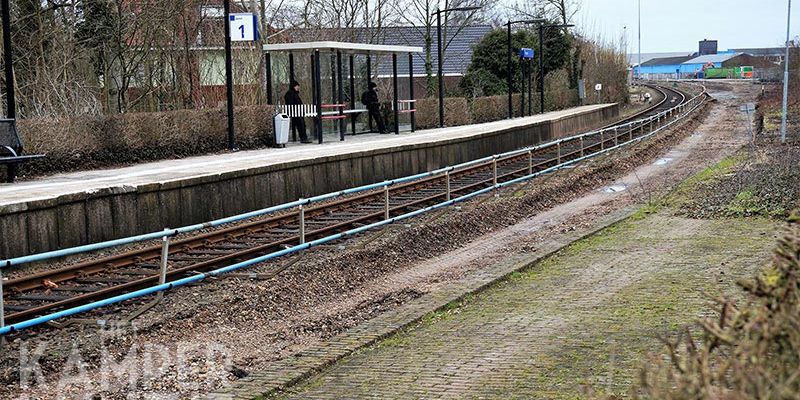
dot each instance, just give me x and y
(162, 277)
(302, 224)
(494, 174)
(630, 132)
(447, 183)
(530, 162)
(581, 146)
(616, 137)
(558, 157)
(386, 202)
(602, 140)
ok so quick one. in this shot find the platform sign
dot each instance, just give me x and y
(598, 87)
(244, 27)
(526, 53)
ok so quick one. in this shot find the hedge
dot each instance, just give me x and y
(86, 142)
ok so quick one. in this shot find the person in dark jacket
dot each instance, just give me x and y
(292, 97)
(370, 99)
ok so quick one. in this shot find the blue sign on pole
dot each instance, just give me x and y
(526, 53)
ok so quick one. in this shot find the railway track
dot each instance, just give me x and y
(36, 294)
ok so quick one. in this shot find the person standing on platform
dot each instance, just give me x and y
(370, 99)
(292, 98)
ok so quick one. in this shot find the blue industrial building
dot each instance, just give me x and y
(691, 65)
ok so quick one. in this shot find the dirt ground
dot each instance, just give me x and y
(200, 338)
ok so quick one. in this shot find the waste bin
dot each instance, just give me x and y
(280, 126)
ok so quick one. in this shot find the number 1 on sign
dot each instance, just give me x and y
(241, 29)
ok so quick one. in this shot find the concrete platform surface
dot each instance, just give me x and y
(160, 172)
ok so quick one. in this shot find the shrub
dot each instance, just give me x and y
(98, 141)
(488, 109)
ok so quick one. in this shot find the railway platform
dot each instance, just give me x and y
(83, 207)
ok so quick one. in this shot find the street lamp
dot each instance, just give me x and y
(8, 60)
(510, 76)
(438, 14)
(542, 27)
(785, 105)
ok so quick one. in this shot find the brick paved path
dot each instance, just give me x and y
(577, 322)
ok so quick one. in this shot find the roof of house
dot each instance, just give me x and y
(344, 47)
(633, 58)
(458, 44)
(712, 58)
(666, 61)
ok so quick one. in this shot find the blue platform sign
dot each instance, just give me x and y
(526, 53)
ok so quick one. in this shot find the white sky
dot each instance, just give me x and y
(677, 25)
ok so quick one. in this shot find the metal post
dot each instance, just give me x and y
(602, 140)
(494, 172)
(530, 162)
(639, 67)
(441, 80)
(340, 93)
(522, 82)
(352, 93)
(369, 79)
(318, 96)
(616, 137)
(509, 78)
(268, 72)
(386, 202)
(581, 146)
(630, 132)
(411, 90)
(447, 180)
(162, 277)
(785, 107)
(530, 86)
(8, 60)
(291, 67)
(558, 157)
(541, 68)
(395, 95)
(229, 75)
(302, 224)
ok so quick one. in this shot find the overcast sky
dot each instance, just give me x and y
(677, 25)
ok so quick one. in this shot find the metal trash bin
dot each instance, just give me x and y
(281, 128)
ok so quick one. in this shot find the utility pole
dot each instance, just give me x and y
(639, 67)
(229, 75)
(786, 77)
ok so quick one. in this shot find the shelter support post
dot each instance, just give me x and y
(291, 67)
(395, 102)
(411, 89)
(268, 72)
(317, 96)
(352, 93)
(340, 93)
(369, 79)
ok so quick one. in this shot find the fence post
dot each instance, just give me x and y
(616, 137)
(630, 132)
(602, 140)
(581, 146)
(386, 202)
(558, 158)
(447, 183)
(494, 173)
(162, 277)
(302, 224)
(530, 162)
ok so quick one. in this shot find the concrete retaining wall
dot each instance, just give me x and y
(72, 220)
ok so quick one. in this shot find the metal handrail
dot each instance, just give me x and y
(684, 110)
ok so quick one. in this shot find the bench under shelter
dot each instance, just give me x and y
(339, 103)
